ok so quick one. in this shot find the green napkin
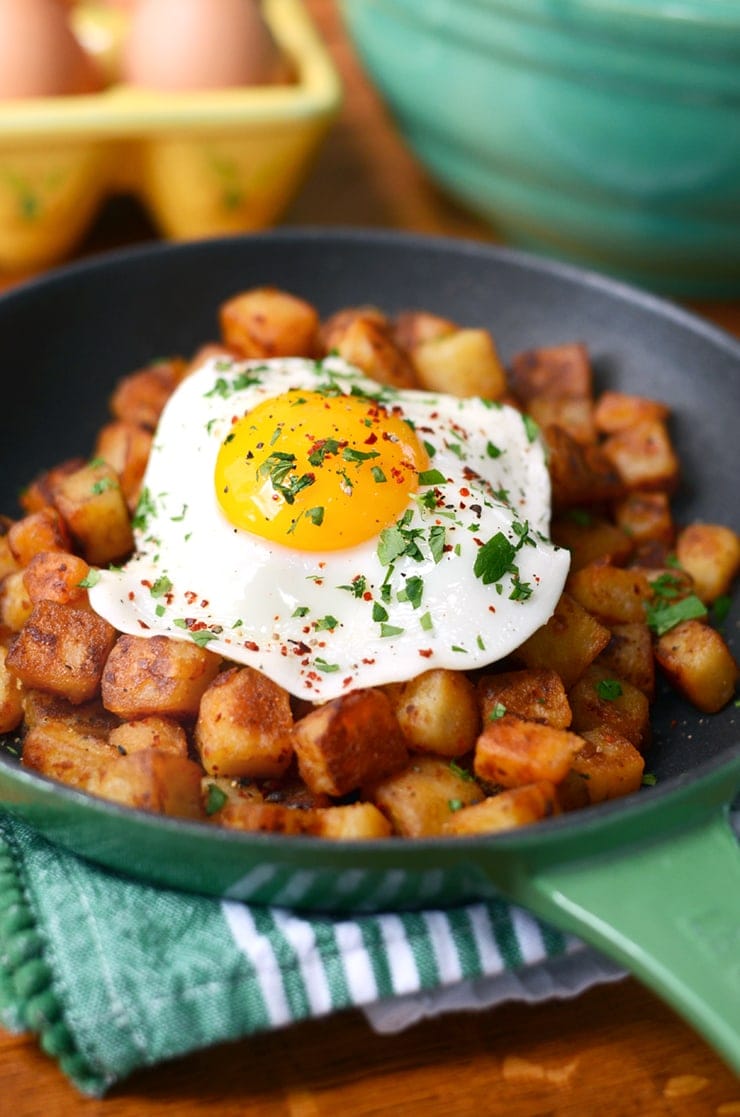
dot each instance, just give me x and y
(114, 975)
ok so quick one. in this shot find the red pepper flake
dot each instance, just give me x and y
(464, 492)
(369, 662)
(347, 682)
(146, 583)
(371, 439)
(131, 595)
(426, 652)
(204, 603)
(367, 596)
(143, 624)
(251, 646)
(190, 596)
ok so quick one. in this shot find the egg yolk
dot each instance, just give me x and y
(318, 472)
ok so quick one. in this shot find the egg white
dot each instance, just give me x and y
(320, 623)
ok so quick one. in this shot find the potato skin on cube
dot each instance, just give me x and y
(349, 742)
(600, 698)
(153, 780)
(437, 712)
(536, 695)
(62, 649)
(518, 806)
(418, 799)
(63, 751)
(243, 727)
(156, 675)
(266, 322)
(697, 661)
(511, 751)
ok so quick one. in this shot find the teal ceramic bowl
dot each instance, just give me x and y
(604, 132)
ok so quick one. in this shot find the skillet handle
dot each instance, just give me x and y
(670, 912)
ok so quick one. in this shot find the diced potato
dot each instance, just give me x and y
(241, 808)
(413, 327)
(63, 752)
(244, 725)
(710, 553)
(629, 655)
(646, 517)
(437, 712)
(579, 474)
(125, 446)
(15, 602)
(519, 806)
(610, 593)
(93, 506)
(267, 322)
(608, 765)
(56, 576)
(62, 649)
(512, 752)
(615, 411)
(643, 456)
(556, 371)
(139, 398)
(369, 345)
(157, 675)
(536, 694)
(354, 822)
(11, 697)
(570, 640)
(152, 732)
(463, 363)
(153, 780)
(89, 718)
(212, 350)
(8, 563)
(38, 531)
(336, 325)
(697, 661)
(349, 742)
(575, 416)
(40, 493)
(418, 799)
(601, 699)
(590, 538)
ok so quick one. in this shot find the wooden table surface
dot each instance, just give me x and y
(615, 1050)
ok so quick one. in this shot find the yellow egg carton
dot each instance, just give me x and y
(202, 163)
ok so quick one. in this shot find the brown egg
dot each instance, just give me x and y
(39, 54)
(200, 44)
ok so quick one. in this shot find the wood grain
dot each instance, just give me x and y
(615, 1051)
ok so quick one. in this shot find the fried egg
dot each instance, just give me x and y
(334, 533)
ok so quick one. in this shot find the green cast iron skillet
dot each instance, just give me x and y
(653, 879)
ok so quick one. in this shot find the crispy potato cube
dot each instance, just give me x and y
(93, 506)
(536, 694)
(643, 456)
(356, 821)
(437, 712)
(413, 327)
(64, 752)
(56, 576)
(519, 806)
(590, 538)
(511, 751)
(150, 733)
(463, 363)
(418, 799)
(579, 474)
(267, 322)
(556, 371)
(156, 675)
(40, 493)
(244, 725)
(697, 661)
(608, 765)
(575, 416)
(710, 553)
(125, 447)
(611, 593)
(62, 649)
(153, 780)
(349, 742)
(615, 411)
(369, 345)
(240, 808)
(15, 602)
(570, 640)
(38, 531)
(39, 706)
(601, 699)
(336, 325)
(210, 351)
(646, 517)
(629, 655)
(11, 697)
(8, 563)
(139, 398)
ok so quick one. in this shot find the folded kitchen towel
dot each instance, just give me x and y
(113, 974)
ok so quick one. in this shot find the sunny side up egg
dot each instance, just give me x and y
(334, 533)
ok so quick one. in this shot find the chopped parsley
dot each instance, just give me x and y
(609, 689)
(91, 579)
(432, 477)
(215, 799)
(497, 712)
(203, 636)
(662, 616)
(328, 668)
(494, 559)
(144, 509)
(162, 586)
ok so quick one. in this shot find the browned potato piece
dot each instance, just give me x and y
(356, 821)
(570, 640)
(153, 780)
(150, 733)
(437, 712)
(139, 398)
(629, 655)
(93, 506)
(349, 742)
(519, 806)
(40, 493)
(336, 325)
(536, 694)
(266, 322)
(615, 411)
(414, 327)
(463, 363)
(575, 416)
(643, 456)
(580, 474)
(697, 661)
(39, 706)
(207, 352)
(590, 538)
(8, 564)
(512, 752)
(601, 699)
(125, 447)
(610, 593)
(243, 727)
(646, 516)
(62, 649)
(608, 765)
(554, 371)
(15, 602)
(56, 576)
(418, 800)
(62, 751)
(369, 345)
(710, 553)
(11, 697)
(245, 809)
(156, 675)
(38, 531)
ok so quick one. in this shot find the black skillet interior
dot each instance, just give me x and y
(65, 339)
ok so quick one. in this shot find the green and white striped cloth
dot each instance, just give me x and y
(114, 975)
